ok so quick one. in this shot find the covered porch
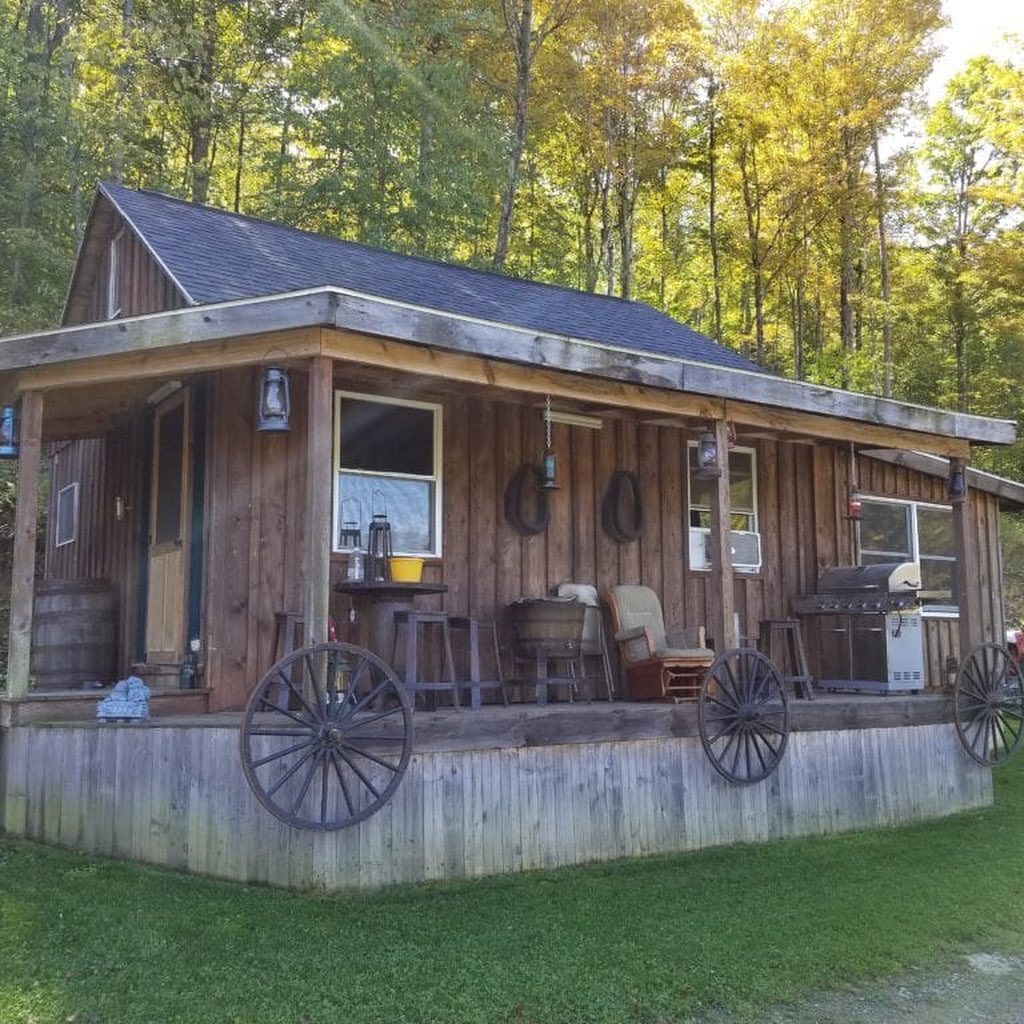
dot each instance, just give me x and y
(260, 513)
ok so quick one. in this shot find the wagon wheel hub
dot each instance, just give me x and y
(332, 736)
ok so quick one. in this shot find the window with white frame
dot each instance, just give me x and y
(114, 276)
(387, 458)
(66, 516)
(910, 531)
(746, 538)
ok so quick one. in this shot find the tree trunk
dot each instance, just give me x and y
(239, 161)
(716, 259)
(883, 261)
(202, 121)
(524, 65)
(752, 209)
(122, 91)
(847, 272)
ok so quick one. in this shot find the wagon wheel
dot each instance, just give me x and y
(743, 716)
(326, 737)
(989, 705)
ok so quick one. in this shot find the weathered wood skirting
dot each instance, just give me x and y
(175, 795)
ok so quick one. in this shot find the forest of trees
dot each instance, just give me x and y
(767, 172)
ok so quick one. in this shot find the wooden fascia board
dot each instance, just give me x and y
(495, 373)
(512, 344)
(1008, 491)
(197, 357)
(181, 341)
(173, 329)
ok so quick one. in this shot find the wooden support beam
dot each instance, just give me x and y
(401, 357)
(319, 473)
(968, 573)
(723, 622)
(23, 568)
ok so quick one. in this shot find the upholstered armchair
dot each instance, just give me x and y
(658, 664)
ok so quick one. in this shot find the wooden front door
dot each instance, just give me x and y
(169, 521)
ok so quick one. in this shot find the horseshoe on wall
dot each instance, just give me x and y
(526, 501)
(622, 510)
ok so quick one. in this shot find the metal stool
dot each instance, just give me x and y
(783, 644)
(411, 622)
(475, 684)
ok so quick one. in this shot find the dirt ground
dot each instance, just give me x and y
(979, 988)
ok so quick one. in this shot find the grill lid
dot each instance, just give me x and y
(883, 587)
(881, 578)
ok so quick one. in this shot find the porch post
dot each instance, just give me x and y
(722, 619)
(316, 600)
(23, 564)
(965, 548)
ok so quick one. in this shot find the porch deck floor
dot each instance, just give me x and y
(529, 724)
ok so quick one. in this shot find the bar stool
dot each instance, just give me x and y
(474, 683)
(414, 623)
(289, 633)
(783, 644)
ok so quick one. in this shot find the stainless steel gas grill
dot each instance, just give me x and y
(866, 623)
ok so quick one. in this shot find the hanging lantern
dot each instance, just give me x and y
(956, 485)
(549, 464)
(8, 432)
(274, 410)
(708, 464)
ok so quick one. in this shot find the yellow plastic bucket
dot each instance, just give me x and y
(405, 569)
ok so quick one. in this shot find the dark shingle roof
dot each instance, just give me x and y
(216, 256)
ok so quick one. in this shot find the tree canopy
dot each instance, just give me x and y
(733, 162)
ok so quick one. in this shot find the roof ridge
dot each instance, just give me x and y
(363, 246)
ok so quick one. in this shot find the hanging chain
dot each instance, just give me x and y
(547, 423)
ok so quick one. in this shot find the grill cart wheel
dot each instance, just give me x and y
(326, 737)
(743, 716)
(989, 705)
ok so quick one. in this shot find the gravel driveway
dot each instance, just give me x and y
(980, 988)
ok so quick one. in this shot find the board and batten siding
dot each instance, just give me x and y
(176, 796)
(255, 522)
(144, 285)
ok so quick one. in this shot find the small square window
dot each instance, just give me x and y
(388, 460)
(66, 516)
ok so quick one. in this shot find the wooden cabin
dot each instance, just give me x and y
(196, 546)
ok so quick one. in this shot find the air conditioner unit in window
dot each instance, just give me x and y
(746, 549)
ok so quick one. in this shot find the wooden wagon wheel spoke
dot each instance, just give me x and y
(334, 749)
(743, 716)
(342, 784)
(277, 754)
(270, 705)
(989, 705)
(293, 770)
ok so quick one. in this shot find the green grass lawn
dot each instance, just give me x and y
(86, 941)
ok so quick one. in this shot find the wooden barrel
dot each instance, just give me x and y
(74, 634)
(547, 624)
